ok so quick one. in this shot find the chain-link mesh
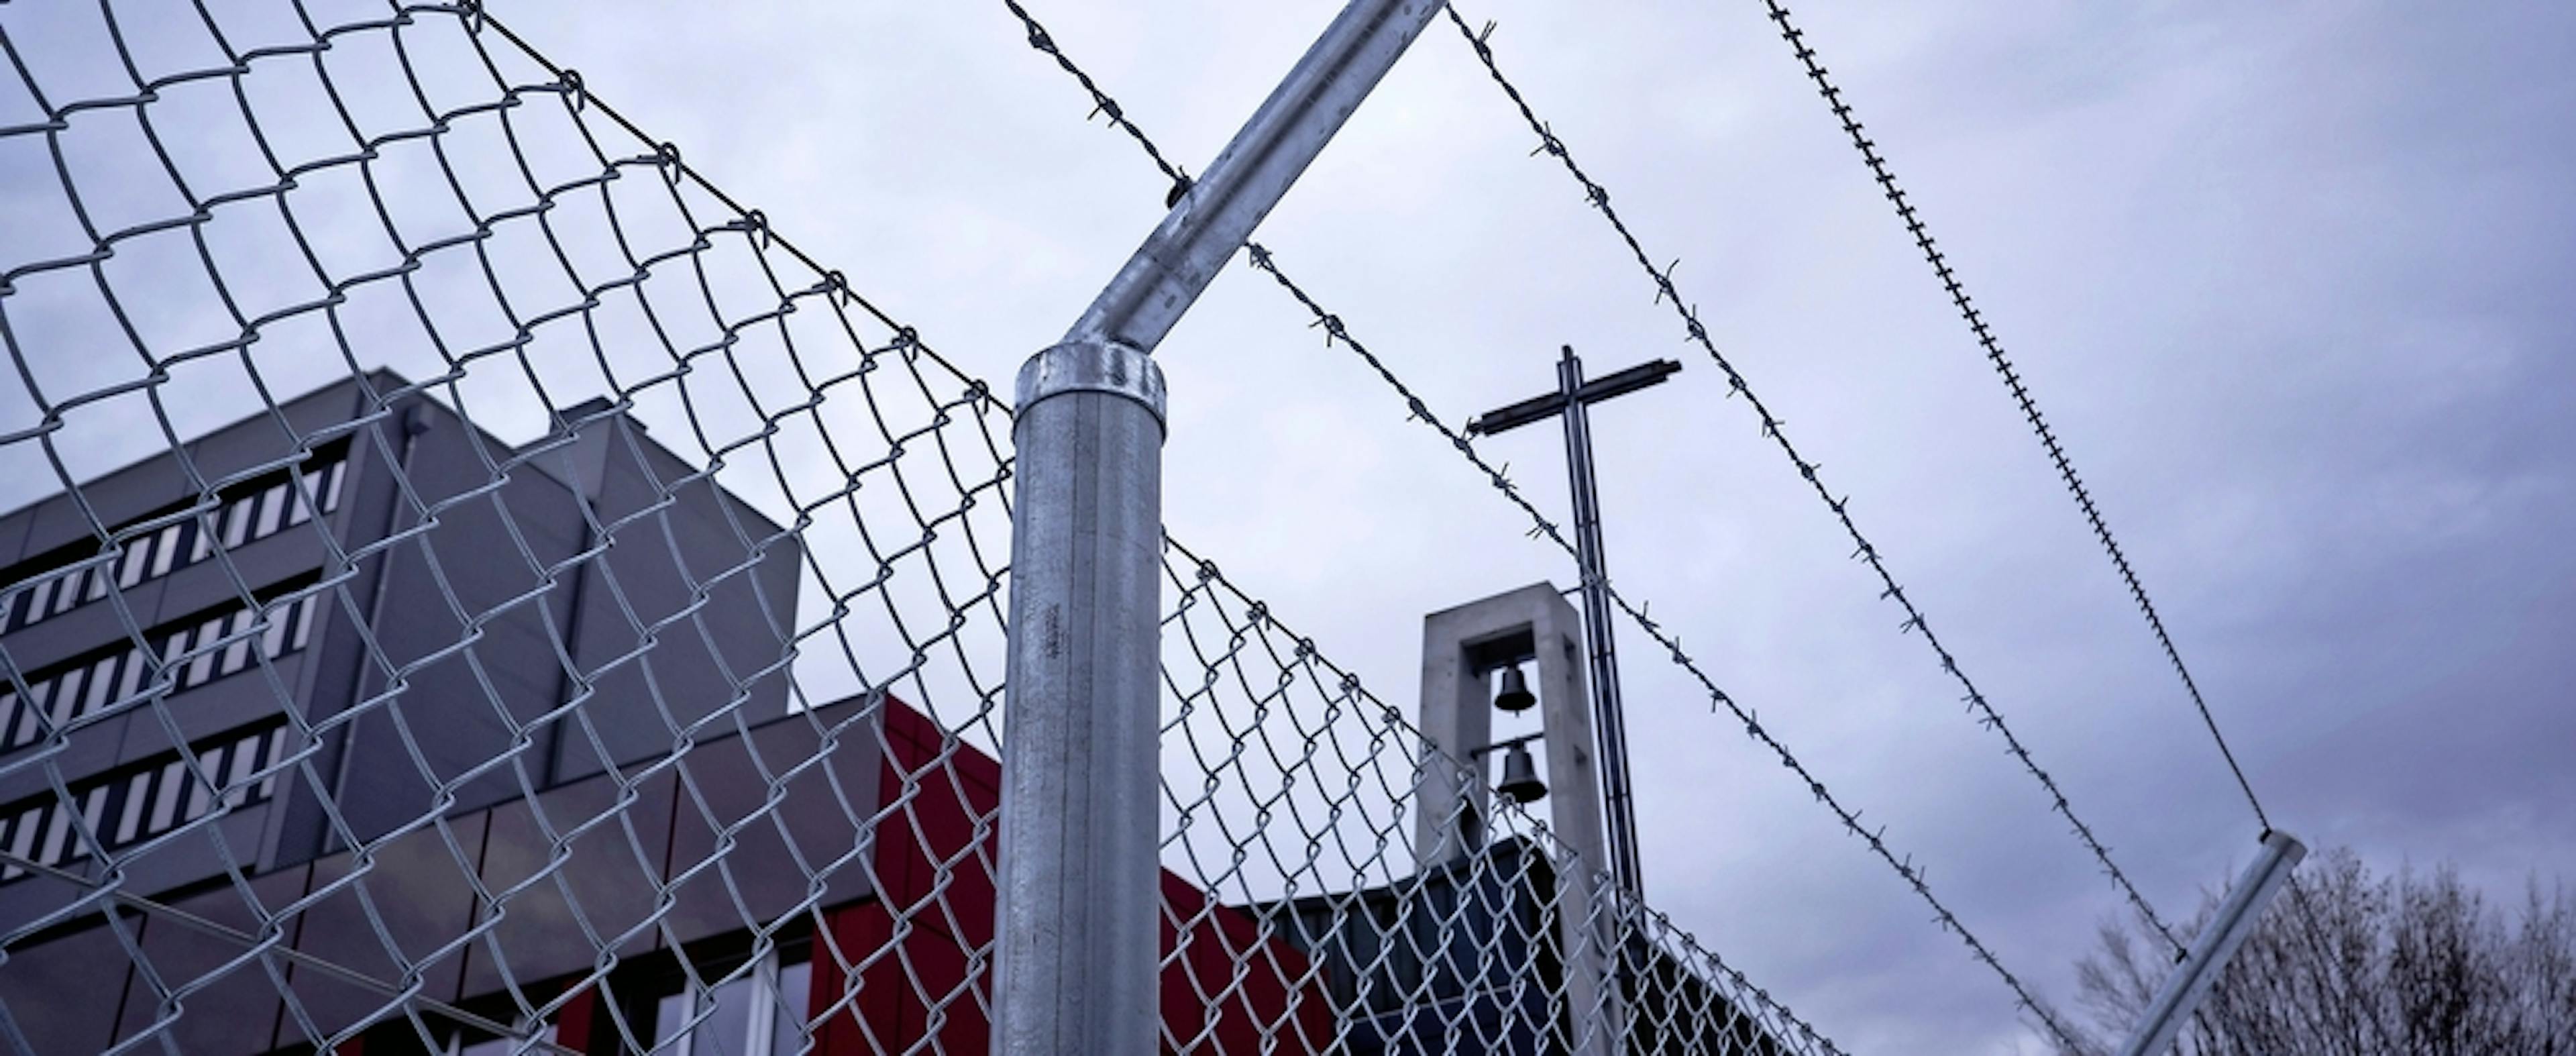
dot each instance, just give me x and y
(471, 587)
(1291, 792)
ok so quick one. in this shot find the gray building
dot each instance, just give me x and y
(427, 623)
(355, 720)
(1464, 957)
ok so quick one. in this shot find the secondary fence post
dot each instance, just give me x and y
(1075, 928)
(2216, 945)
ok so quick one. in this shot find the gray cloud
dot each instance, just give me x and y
(2291, 282)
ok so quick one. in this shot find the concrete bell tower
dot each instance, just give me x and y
(1461, 647)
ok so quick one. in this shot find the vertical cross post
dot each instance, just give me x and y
(1598, 646)
(1076, 921)
(1571, 403)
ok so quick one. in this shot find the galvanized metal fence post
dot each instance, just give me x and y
(2216, 945)
(1075, 929)
(1078, 833)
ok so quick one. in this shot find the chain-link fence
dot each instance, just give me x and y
(473, 588)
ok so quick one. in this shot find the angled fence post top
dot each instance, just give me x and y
(2217, 944)
(1222, 207)
(1075, 929)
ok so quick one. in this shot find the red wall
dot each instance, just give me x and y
(935, 907)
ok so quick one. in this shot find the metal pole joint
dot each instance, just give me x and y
(1092, 365)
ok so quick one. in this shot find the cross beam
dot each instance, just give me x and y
(1542, 408)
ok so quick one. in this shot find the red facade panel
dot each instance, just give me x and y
(915, 946)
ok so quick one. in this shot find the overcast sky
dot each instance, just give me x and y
(2292, 282)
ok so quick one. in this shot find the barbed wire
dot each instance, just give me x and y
(1995, 356)
(1264, 260)
(1335, 330)
(1387, 715)
(749, 847)
(1260, 613)
(568, 81)
(1865, 550)
(1101, 103)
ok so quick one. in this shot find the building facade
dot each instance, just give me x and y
(356, 722)
(327, 576)
(545, 689)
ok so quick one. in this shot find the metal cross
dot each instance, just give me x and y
(1570, 401)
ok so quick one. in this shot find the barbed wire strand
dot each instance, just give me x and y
(1772, 428)
(1264, 260)
(2012, 379)
(1101, 103)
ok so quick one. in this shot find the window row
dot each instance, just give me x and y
(222, 643)
(763, 1012)
(129, 806)
(255, 514)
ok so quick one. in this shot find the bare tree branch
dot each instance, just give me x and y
(2352, 964)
